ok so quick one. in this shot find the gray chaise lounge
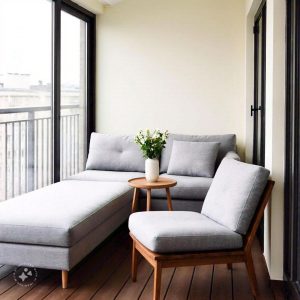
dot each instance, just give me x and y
(57, 226)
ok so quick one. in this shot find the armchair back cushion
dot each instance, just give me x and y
(234, 194)
(227, 143)
(114, 153)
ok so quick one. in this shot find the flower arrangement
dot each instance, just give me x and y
(151, 143)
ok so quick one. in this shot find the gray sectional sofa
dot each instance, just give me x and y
(189, 192)
(57, 226)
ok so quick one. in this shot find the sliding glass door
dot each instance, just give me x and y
(46, 92)
(25, 96)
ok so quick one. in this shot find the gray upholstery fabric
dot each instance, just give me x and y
(188, 187)
(168, 232)
(114, 153)
(234, 194)
(61, 258)
(193, 188)
(94, 175)
(193, 158)
(159, 204)
(227, 143)
(233, 155)
(61, 214)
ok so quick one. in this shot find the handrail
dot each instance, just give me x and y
(36, 119)
(33, 108)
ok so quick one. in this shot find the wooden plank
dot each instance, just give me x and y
(44, 288)
(104, 271)
(201, 283)
(114, 284)
(167, 275)
(6, 283)
(279, 290)
(241, 286)
(222, 283)
(262, 274)
(180, 284)
(132, 290)
(18, 291)
(90, 266)
(5, 270)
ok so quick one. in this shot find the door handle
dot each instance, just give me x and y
(254, 109)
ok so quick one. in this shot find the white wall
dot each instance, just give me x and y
(173, 64)
(275, 123)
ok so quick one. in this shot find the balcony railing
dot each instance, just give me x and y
(26, 138)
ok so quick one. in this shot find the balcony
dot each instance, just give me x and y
(26, 158)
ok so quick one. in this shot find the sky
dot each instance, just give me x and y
(26, 40)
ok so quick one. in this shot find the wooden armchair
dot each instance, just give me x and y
(160, 260)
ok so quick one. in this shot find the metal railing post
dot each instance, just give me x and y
(30, 152)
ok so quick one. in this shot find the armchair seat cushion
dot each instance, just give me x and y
(181, 231)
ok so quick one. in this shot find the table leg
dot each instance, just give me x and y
(136, 194)
(169, 200)
(148, 199)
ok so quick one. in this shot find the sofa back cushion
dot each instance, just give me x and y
(227, 143)
(193, 159)
(234, 194)
(114, 153)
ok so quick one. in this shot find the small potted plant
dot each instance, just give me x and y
(151, 144)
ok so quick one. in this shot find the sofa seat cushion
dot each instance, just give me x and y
(192, 188)
(181, 231)
(61, 214)
(94, 175)
(227, 143)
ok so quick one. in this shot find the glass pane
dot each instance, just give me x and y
(73, 94)
(25, 96)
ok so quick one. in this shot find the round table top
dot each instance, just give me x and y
(161, 183)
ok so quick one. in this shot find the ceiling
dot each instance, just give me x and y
(110, 2)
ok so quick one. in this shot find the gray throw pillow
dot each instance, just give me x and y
(227, 143)
(114, 153)
(196, 159)
(234, 194)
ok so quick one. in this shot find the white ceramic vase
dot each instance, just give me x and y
(152, 169)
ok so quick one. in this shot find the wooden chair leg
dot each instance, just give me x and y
(64, 279)
(135, 200)
(229, 266)
(251, 273)
(148, 200)
(169, 200)
(134, 263)
(157, 281)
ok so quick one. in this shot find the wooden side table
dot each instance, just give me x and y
(141, 183)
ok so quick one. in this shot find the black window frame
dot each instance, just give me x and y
(261, 14)
(90, 18)
(292, 148)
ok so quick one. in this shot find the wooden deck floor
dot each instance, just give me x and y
(105, 274)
